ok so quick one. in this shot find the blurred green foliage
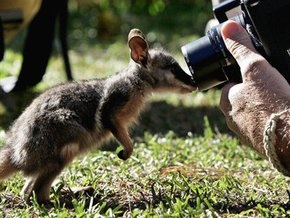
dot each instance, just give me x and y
(107, 19)
(166, 22)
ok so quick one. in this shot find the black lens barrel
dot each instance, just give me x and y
(206, 58)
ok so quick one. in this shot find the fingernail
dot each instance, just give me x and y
(231, 29)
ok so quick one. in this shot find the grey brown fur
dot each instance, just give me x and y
(71, 118)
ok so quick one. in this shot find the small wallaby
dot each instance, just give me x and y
(71, 118)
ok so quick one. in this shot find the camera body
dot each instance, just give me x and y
(268, 24)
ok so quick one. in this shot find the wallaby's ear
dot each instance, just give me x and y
(139, 47)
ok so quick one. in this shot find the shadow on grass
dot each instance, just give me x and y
(164, 194)
(161, 117)
(152, 197)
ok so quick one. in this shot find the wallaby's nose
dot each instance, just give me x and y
(185, 78)
(190, 85)
(191, 82)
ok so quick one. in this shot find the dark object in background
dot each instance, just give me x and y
(9, 17)
(211, 63)
(2, 46)
(39, 42)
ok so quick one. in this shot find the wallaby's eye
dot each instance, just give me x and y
(167, 67)
(174, 67)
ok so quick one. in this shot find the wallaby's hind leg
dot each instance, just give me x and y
(28, 187)
(6, 167)
(41, 182)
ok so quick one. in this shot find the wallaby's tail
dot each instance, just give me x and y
(6, 166)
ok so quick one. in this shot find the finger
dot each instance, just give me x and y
(239, 43)
(225, 104)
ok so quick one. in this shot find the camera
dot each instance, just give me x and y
(268, 24)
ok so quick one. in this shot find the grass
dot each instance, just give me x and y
(167, 176)
(186, 163)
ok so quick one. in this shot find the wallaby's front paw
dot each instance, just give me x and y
(123, 155)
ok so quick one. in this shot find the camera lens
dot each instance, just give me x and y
(206, 59)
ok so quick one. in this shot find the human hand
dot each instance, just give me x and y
(248, 105)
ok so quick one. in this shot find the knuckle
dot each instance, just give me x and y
(253, 68)
(238, 48)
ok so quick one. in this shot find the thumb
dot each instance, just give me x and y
(239, 43)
